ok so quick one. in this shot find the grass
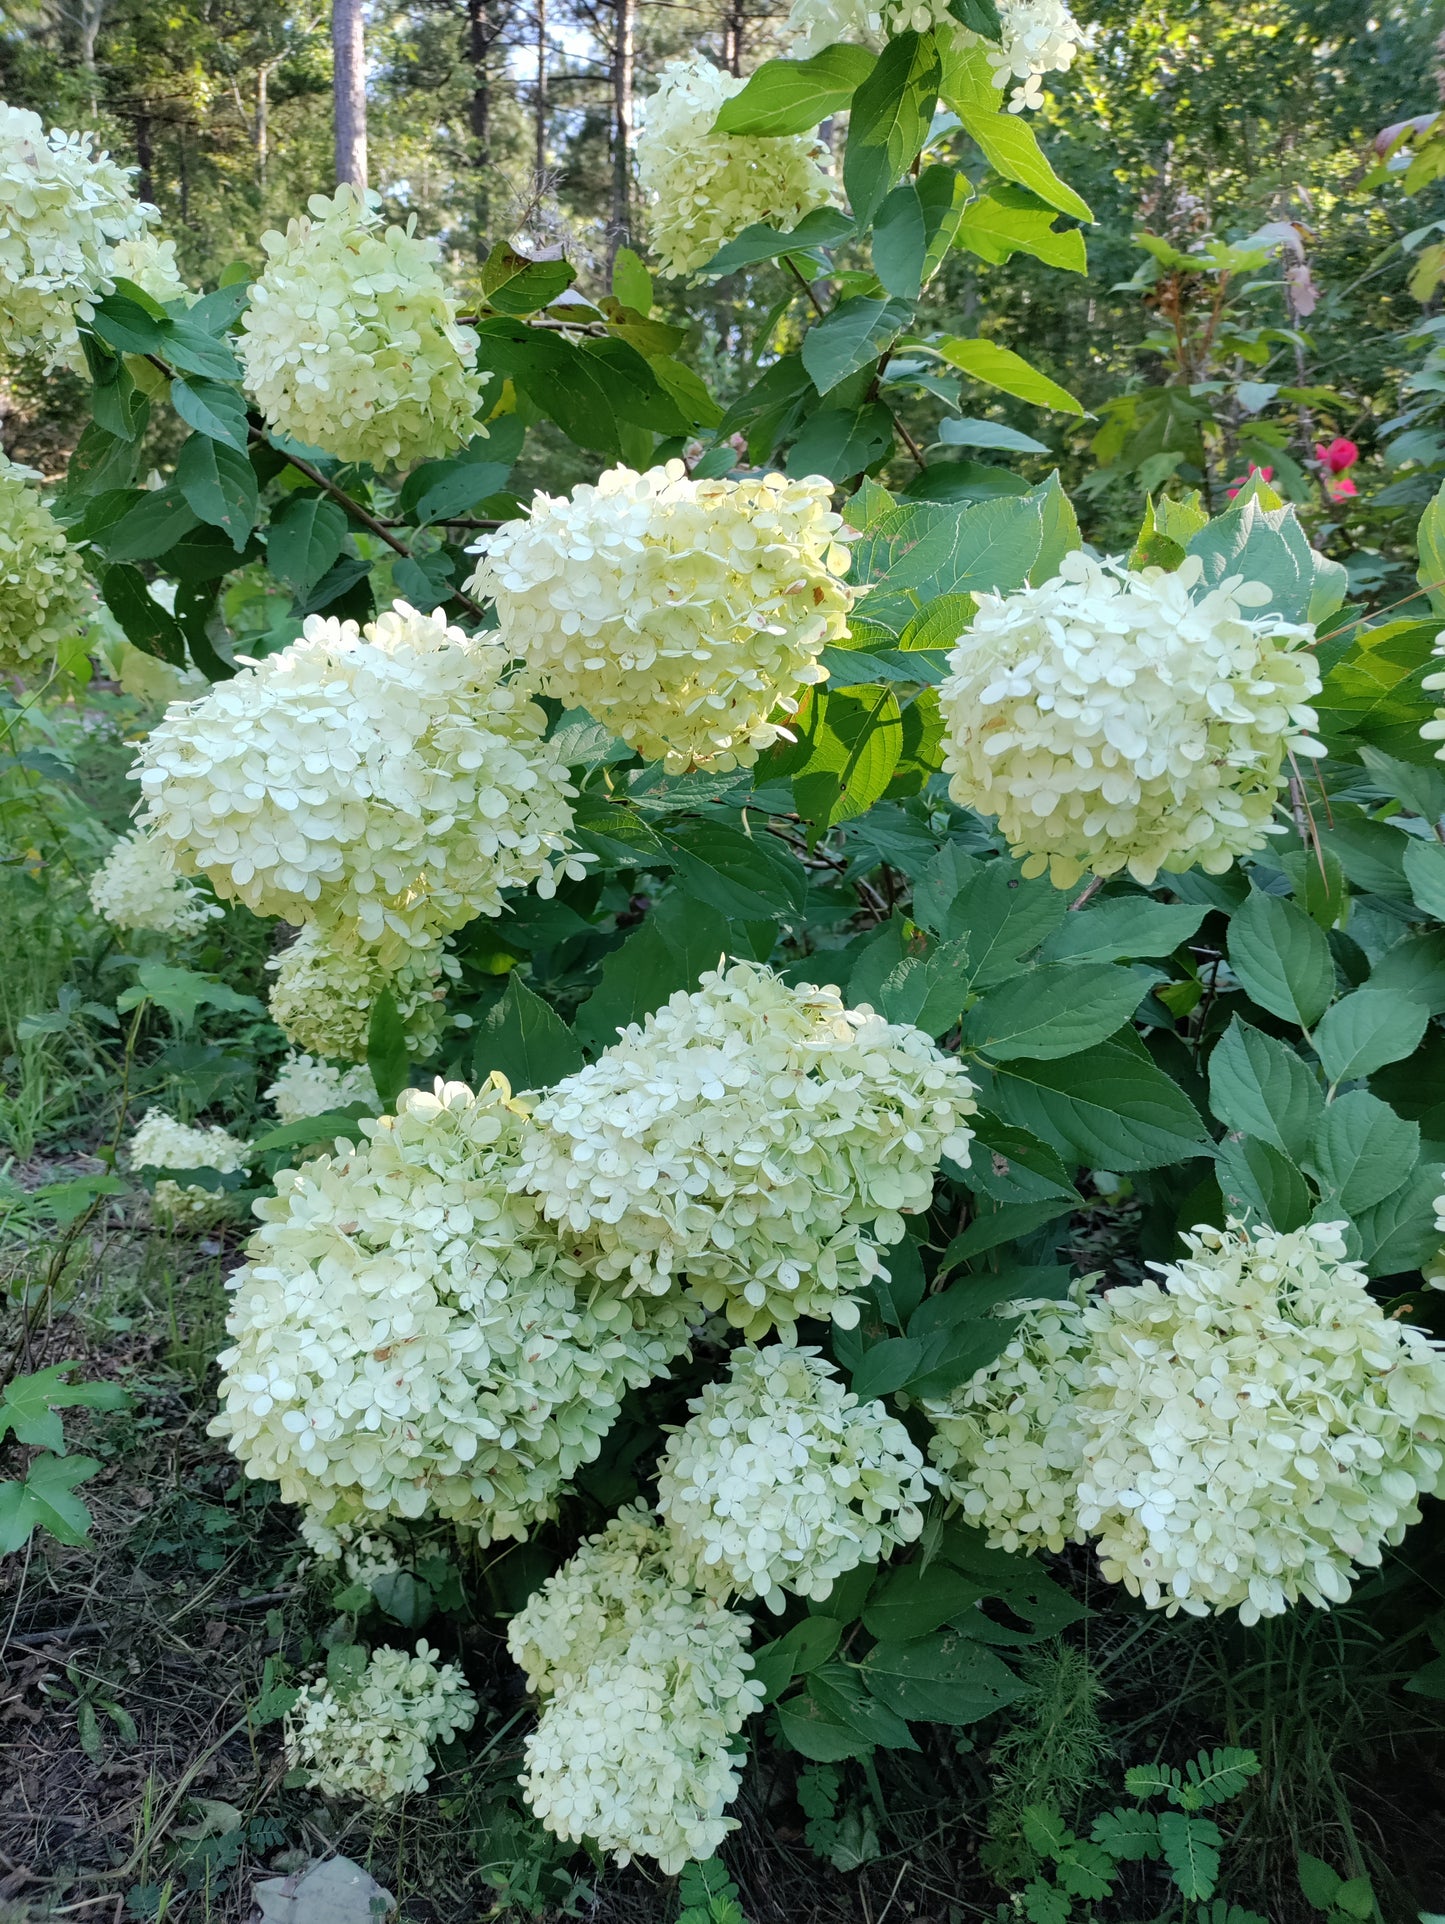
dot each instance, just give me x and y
(138, 1676)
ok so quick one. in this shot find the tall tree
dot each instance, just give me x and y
(623, 46)
(348, 37)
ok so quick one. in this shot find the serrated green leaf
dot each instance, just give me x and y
(1282, 958)
(523, 1038)
(1259, 1087)
(823, 227)
(29, 1405)
(1109, 1108)
(213, 409)
(1114, 931)
(154, 524)
(145, 623)
(851, 337)
(946, 1678)
(1008, 143)
(793, 96)
(1000, 367)
(219, 486)
(1007, 220)
(1053, 1010)
(1366, 1029)
(304, 539)
(889, 119)
(1261, 1184)
(387, 1056)
(1430, 540)
(515, 285)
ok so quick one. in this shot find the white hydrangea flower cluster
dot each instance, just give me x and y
(1255, 1426)
(681, 613)
(1241, 1434)
(1039, 36)
(1117, 720)
(387, 779)
(1434, 731)
(150, 262)
(307, 1087)
(44, 595)
(782, 1480)
(63, 207)
(408, 1337)
(759, 1138)
(374, 1738)
(645, 1688)
(351, 343)
(161, 1142)
(1009, 1442)
(326, 983)
(704, 188)
(137, 887)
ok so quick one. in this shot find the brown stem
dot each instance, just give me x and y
(805, 284)
(1086, 895)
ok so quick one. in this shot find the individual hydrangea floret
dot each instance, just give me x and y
(373, 1738)
(44, 594)
(387, 778)
(306, 1087)
(782, 1480)
(704, 188)
(408, 1338)
(150, 262)
(351, 342)
(160, 1142)
(1116, 720)
(1256, 1426)
(684, 614)
(1009, 1441)
(1038, 36)
(760, 1138)
(63, 207)
(137, 887)
(327, 982)
(645, 1688)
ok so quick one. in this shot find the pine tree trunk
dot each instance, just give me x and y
(622, 59)
(349, 53)
(480, 35)
(539, 103)
(145, 159)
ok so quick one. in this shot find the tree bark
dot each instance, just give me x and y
(481, 32)
(349, 53)
(145, 159)
(733, 29)
(622, 61)
(263, 121)
(539, 102)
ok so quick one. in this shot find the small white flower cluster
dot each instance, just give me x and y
(374, 1738)
(782, 1480)
(1118, 720)
(408, 1337)
(306, 1087)
(63, 207)
(326, 983)
(759, 1138)
(44, 595)
(704, 188)
(645, 1688)
(351, 343)
(150, 262)
(160, 1142)
(1008, 1440)
(1244, 1433)
(137, 887)
(1039, 36)
(681, 613)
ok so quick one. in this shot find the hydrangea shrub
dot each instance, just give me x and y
(798, 943)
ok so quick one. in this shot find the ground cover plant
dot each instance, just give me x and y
(726, 1195)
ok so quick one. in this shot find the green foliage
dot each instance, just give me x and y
(43, 1496)
(708, 1895)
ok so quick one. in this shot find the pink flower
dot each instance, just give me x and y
(1265, 474)
(1340, 490)
(1338, 455)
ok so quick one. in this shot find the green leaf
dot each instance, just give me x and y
(1008, 220)
(1282, 958)
(969, 433)
(1414, 967)
(1257, 1181)
(1420, 789)
(838, 1689)
(181, 992)
(1009, 144)
(1011, 1165)
(1398, 1233)
(28, 1404)
(45, 1500)
(1129, 1836)
(851, 745)
(153, 525)
(1365, 1030)
(1054, 1010)
(823, 227)
(678, 941)
(1318, 1883)
(191, 349)
(213, 409)
(304, 539)
(792, 96)
(990, 1229)
(1261, 1088)
(525, 1039)
(219, 486)
(851, 337)
(515, 285)
(1114, 931)
(631, 282)
(1425, 873)
(946, 1678)
(457, 487)
(1001, 918)
(916, 225)
(1000, 367)
(1269, 545)
(1108, 1107)
(889, 120)
(386, 1051)
(128, 322)
(1191, 1847)
(917, 1599)
(326, 1127)
(567, 385)
(839, 443)
(1361, 1151)
(145, 623)
(1430, 537)
(1373, 692)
